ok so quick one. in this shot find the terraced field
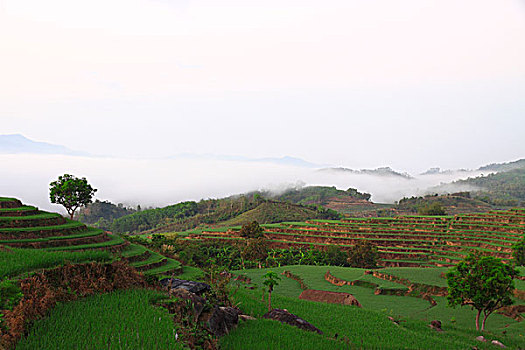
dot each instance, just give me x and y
(417, 241)
(24, 226)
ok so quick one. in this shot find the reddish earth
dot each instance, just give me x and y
(329, 297)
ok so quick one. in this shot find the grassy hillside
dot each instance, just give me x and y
(456, 203)
(503, 188)
(273, 212)
(238, 209)
(369, 327)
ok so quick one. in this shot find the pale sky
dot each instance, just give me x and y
(360, 83)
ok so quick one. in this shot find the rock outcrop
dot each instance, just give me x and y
(283, 316)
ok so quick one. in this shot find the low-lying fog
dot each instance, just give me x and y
(161, 182)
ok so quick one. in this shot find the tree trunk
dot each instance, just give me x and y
(269, 301)
(477, 320)
(483, 323)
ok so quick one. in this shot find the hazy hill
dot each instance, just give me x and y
(456, 203)
(17, 143)
(383, 171)
(505, 188)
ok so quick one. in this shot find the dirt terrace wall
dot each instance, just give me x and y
(10, 204)
(329, 297)
(21, 223)
(44, 233)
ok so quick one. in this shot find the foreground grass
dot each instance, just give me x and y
(415, 313)
(118, 320)
(355, 328)
(16, 261)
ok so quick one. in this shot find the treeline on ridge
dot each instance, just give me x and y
(235, 210)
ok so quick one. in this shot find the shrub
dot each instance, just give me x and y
(363, 254)
(518, 252)
(434, 208)
(251, 230)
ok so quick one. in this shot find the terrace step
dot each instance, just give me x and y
(9, 203)
(20, 211)
(43, 219)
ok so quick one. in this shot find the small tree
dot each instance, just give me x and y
(271, 279)
(518, 252)
(251, 230)
(363, 254)
(483, 282)
(434, 208)
(71, 192)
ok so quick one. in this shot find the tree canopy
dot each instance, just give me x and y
(71, 192)
(483, 282)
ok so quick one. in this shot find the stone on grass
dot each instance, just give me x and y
(286, 317)
(436, 325)
(191, 286)
(498, 343)
(223, 320)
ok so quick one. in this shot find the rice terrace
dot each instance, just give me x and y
(334, 282)
(262, 175)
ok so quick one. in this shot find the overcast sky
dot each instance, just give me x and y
(360, 83)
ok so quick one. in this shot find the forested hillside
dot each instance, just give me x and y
(503, 189)
(188, 215)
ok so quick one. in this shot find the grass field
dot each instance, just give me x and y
(369, 324)
(118, 320)
(16, 261)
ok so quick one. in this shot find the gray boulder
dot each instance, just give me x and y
(223, 320)
(284, 316)
(190, 286)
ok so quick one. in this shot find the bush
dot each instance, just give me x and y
(518, 252)
(434, 208)
(251, 230)
(363, 254)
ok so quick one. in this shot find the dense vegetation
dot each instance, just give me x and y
(502, 189)
(256, 252)
(317, 195)
(102, 213)
(237, 210)
(454, 203)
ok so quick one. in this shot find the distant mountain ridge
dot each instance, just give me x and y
(16, 143)
(382, 171)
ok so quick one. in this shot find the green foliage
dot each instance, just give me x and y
(102, 213)
(503, 189)
(251, 230)
(270, 280)
(483, 282)
(363, 254)
(434, 208)
(148, 219)
(317, 195)
(71, 192)
(518, 252)
(10, 294)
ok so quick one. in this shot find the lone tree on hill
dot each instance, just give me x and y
(71, 192)
(483, 282)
